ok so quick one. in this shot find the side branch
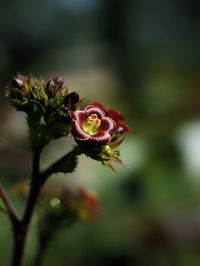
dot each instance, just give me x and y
(9, 207)
(56, 166)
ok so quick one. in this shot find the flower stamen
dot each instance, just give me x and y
(92, 124)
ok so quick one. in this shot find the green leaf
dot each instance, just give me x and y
(67, 166)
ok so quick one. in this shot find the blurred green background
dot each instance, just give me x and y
(142, 58)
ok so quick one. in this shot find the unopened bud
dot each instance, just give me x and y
(71, 100)
(53, 86)
(17, 83)
(58, 81)
(17, 88)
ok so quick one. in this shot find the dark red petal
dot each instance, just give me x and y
(79, 133)
(101, 138)
(124, 127)
(108, 124)
(79, 116)
(95, 110)
(96, 104)
(116, 116)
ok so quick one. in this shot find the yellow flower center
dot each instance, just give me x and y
(92, 124)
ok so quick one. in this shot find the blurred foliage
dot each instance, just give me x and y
(143, 58)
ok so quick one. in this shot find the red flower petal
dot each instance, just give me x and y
(96, 104)
(94, 110)
(101, 138)
(116, 116)
(108, 124)
(79, 133)
(124, 127)
(79, 116)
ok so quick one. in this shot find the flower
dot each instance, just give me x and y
(97, 125)
(99, 132)
(62, 203)
(83, 204)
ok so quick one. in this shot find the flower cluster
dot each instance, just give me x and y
(83, 204)
(47, 105)
(99, 131)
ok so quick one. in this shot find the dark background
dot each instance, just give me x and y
(141, 57)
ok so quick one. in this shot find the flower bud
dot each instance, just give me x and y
(17, 83)
(17, 88)
(53, 86)
(58, 81)
(71, 100)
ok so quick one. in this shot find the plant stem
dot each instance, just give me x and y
(20, 231)
(19, 244)
(9, 207)
(34, 190)
(20, 227)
